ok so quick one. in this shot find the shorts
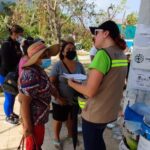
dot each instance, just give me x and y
(60, 113)
(36, 139)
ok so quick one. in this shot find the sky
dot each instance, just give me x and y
(131, 6)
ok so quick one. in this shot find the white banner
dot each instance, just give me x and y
(141, 58)
(144, 144)
(139, 79)
(142, 35)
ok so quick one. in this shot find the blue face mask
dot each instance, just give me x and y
(45, 63)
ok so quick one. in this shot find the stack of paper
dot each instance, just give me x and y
(75, 77)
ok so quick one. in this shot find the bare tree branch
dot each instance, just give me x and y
(49, 5)
(81, 20)
(55, 4)
(64, 22)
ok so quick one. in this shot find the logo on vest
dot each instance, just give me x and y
(139, 58)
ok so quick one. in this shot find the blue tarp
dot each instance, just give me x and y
(128, 31)
(129, 43)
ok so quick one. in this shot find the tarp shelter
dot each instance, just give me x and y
(128, 31)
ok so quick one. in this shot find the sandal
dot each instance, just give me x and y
(57, 143)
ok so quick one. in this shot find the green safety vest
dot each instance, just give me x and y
(114, 63)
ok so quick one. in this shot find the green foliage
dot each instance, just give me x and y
(132, 19)
(3, 26)
(52, 19)
(5, 18)
(86, 40)
(87, 43)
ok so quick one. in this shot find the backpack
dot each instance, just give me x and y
(10, 84)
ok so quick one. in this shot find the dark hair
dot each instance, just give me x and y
(15, 28)
(39, 39)
(29, 41)
(93, 39)
(63, 45)
(120, 42)
(30, 38)
(114, 32)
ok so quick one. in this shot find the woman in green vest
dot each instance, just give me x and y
(104, 85)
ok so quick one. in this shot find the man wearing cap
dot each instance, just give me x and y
(104, 86)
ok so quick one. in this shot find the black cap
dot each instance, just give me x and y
(110, 26)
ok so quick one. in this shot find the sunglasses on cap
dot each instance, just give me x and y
(97, 31)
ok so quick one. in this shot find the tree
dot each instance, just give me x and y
(111, 11)
(5, 18)
(60, 12)
(132, 19)
(25, 15)
(52, 19)
(51, 16)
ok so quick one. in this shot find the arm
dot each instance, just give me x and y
(28, 87)
(54, 87)
(54, 83)
(55, 93)
(53, 80)
(93, 82)
(25, 113)
(98, 68)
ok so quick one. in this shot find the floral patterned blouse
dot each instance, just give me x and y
(35, 83)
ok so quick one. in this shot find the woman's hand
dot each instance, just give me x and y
(27, 131)
(26, 114)
(93, 82)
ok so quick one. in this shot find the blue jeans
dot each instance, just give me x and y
(93, 135)
(9, 100)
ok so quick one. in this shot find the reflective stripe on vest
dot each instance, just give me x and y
(115, 63)
(119, 63)
(81, 104)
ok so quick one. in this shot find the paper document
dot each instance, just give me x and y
(76, 77)
(139, 79)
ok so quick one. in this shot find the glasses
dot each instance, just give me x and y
(97, 31)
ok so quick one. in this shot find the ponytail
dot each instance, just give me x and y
(121, 43)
